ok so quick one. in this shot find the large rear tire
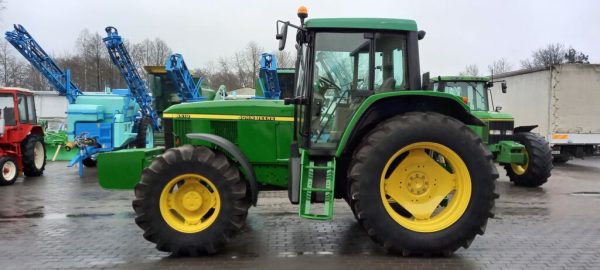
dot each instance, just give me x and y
(422, 184)
(190, 201)
(9, 171)
(34, 155)
(538, 168)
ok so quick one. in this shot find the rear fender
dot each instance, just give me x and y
(377, 108)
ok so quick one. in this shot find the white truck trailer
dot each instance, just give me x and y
(563, 100)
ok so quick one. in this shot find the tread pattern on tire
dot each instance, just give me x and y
(190, 159)
(369, 146)
(28, 146)
(540, 161)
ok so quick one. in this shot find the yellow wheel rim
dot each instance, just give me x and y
(425, 187)
(190, 203)
(521, 169)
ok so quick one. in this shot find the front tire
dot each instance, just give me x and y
(538, 168)
(9, 170)
(422, 184)
(34, 155)
(190, 201)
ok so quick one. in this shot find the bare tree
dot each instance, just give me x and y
(470, 70)
(552, 54)
(573, 56)
(500, 66)
(162, 52)
(285, 59)
(4, 56)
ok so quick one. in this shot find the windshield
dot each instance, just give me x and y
(475, 92)
(7, 109)
(301, 62)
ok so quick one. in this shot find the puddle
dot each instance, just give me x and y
(587, 193)
(522, 211)
(35, 215)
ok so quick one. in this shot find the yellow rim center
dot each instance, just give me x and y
(190, 203)
(521, 169)
(425, 187)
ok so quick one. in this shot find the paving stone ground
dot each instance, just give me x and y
(61, 221)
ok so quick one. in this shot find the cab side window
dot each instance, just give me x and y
(31, 110)
(22, 109)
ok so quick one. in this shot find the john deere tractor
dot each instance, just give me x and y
(418, 179)
(525, 155)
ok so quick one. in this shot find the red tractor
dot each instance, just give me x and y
(22, 147)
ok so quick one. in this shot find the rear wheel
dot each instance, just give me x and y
(190, 201)
(536, 171)
(422, 184)
(10, 171)
(34, 155)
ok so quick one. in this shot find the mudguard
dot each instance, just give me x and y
(524, 128)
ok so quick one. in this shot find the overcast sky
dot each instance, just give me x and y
(458, 32)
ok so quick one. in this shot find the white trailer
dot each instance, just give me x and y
(563, 100)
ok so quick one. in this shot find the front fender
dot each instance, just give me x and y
(239, 156)
(524, 128)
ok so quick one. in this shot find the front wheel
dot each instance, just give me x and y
(536, 170)
(422, 184)
(191, 200)
(10, 171)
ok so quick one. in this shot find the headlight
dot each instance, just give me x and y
(509, 132)
(495, 132)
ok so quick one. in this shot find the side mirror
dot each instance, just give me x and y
(489, 84)
(426, 81)
(282, 35)
(504, 87)
(498, 108)
(421, 34)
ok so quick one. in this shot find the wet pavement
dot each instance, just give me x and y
(62, 221)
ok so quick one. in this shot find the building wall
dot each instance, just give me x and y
(527, 99)
(561, 99)
(576, 99)
(50, 105)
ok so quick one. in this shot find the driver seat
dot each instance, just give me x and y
(388, 85)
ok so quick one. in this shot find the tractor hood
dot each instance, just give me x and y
(492, 116)
(231, 109)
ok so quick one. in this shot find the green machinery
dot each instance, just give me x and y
(357, 128)
(526, 156)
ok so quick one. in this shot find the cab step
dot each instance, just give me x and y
(313, 174)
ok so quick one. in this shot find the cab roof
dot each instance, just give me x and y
(17, 89)
(460, 78)
(363, 23)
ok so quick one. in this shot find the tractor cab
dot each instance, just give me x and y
(17, 113)
(341, 62)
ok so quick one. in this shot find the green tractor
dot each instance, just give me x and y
(357, 127)
(526, 156)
